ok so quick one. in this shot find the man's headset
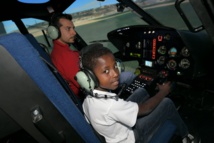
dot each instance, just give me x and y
(53, 29)
(85, 77)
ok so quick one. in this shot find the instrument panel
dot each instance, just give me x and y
(157, 48)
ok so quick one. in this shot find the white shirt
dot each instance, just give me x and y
(111, 118)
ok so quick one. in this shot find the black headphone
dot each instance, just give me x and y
(53, 28)
(85, 77)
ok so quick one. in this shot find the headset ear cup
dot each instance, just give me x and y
(86, 80)
(93, 77)
(53, 32)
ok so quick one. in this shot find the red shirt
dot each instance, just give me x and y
(67, 63)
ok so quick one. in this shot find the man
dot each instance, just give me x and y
(65, 60)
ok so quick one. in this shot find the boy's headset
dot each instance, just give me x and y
(53, 30)
(85, 77)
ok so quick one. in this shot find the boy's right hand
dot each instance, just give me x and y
(164, 88)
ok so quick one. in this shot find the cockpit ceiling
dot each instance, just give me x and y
(12, 9)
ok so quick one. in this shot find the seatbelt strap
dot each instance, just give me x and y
(64, 84)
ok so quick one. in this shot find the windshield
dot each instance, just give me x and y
(94, 19)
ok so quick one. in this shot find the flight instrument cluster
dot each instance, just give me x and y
(158, 48)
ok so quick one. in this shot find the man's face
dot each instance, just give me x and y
(67, 31)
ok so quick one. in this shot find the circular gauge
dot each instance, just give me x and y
(185, 52)
(161, 60)
(171, 64)
(167, 37)
(162, 50)
(172, 52)
(184, 63)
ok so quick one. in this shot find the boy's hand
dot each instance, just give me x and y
(164, 88)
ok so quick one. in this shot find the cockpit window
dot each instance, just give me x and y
(8, 27)
(35, 26)
(94, 19)
(171, 13)
(100, 17)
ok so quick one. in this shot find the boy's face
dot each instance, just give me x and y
(107, 72)
(67, 31)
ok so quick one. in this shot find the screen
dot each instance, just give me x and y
(148, 63)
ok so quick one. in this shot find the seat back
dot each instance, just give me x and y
(46, 58)
(29, 84)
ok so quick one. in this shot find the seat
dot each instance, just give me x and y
(27, 86)
(46, 58)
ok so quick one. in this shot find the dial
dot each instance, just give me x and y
(185, 52)
(184, 63)
(167, 37)
(161, 60)
(171, 64)
(172, 52)
(162, 50)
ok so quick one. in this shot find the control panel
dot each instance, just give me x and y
(163, 54)
(158, 48)
(148, 79)
(141, 81)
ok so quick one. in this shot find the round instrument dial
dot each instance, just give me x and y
(172, 52)
(162, 50)
(184, 63)
(185, 52)
(171, 64)
(161, 60)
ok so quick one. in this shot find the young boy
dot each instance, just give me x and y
(132, 121)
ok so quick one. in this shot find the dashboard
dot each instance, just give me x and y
(163, 54)
(155, 48)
